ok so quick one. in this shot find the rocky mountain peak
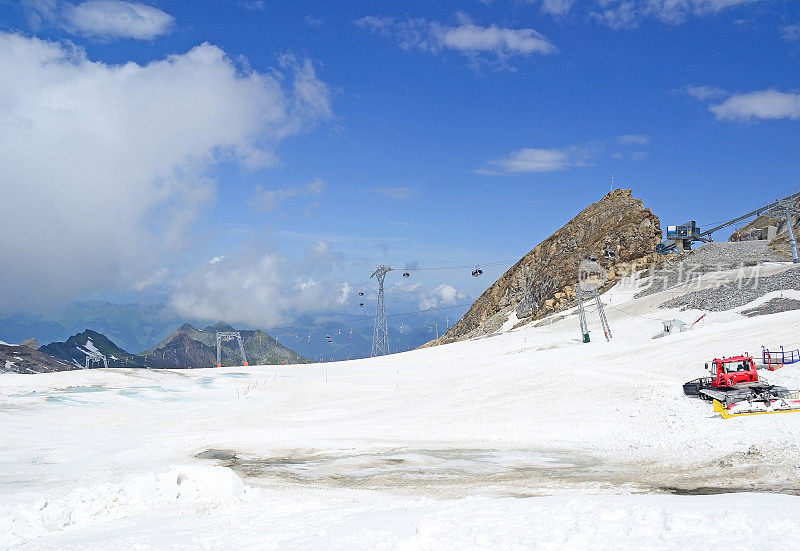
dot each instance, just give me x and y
(618, 230)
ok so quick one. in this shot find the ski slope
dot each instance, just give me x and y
(528, 438)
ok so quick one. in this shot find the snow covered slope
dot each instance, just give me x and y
(527, 438)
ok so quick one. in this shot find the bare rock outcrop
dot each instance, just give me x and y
(543, 281)
(31, 343)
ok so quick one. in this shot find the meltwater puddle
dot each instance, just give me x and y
(435, 472)
(455, 472)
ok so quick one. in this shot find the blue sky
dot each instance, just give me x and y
(254, 161)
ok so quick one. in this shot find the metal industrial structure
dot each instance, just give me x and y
(588, 294)
(380, 334)
(94, 357)
(681, 237)
(590, 273)
(224, 336)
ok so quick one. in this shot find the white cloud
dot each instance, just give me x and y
(791, 33)
(312, 21)
(703, 92)
(268, 200)
(529, 160)
(480, 44)
(116, 18)
(633, 139)
(619, 14)
(255, 5)
(154, 279)
(102, 18)
(557, 7)
(398, 192)
(764, 104)
(260, 288)
(407, 296)
(108, 166)
(443, 295)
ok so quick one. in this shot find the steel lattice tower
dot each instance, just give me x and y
(224, 336)
(380, 334)
(584, 294)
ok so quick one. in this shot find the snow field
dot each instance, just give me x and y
(527, 438)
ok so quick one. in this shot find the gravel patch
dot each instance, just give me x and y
(733, 295)
(773, 307)
(710, 257)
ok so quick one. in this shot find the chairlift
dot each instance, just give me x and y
(361, 293)
(361, 304)
(592, 258)
(608, 253)
(406, 274)
(477, 272)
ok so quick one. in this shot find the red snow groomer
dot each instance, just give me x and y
(735, 389)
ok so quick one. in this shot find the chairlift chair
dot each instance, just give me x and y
(477, 272)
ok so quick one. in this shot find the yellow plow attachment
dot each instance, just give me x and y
(787, 404)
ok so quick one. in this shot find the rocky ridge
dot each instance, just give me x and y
(19, 358)
(543, 281)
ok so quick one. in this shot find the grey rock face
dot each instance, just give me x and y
(33, 344)
(21, 359)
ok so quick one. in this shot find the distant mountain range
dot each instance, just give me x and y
(133, 327)
(187, 347)
(192, 347)
(75, 348)
(140, 329)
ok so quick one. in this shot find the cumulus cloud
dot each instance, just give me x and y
(480, 44)
(633, 139)
(531, 160)
(268, 200)
(102, 18)
(423, 297)
(619, 14)
(440, 296)
(764, 104)
(106, 167)
(256, 286)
